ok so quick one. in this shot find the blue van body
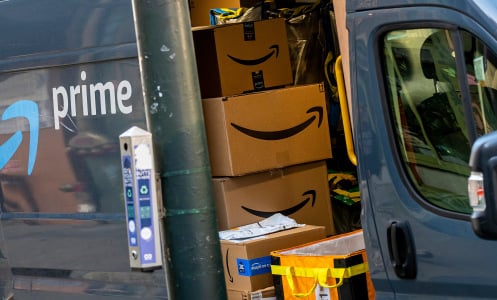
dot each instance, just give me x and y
(70, 85)
(417, 249)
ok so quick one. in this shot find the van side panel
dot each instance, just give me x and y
(49, 26)
(69, 86)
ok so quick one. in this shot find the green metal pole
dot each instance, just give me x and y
(174, 112)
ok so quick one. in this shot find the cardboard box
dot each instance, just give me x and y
(200, 10)
(247, 265)
(264, 294)
(242, 57)
(249, 3)
(267, 130)
(299, 192)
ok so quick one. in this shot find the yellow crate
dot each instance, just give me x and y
(335, 268)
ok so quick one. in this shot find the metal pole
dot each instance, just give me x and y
(174, 113)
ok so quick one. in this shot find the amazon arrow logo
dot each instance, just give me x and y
(228, 266)
(286, 133)
(27, 109)
(310, 196)
(274, 49)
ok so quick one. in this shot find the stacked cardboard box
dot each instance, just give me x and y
(268, 140)
(242, 57)
(256, 176)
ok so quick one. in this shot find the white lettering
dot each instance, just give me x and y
(142, 173)
(101, 89)
(106, 94)
(55, 101)
(123, 96)
(84, 94)
(75, 90)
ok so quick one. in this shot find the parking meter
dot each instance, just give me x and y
(140, 197)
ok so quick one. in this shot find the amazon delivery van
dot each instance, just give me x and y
(423, 103)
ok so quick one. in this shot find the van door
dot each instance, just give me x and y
(423, 91)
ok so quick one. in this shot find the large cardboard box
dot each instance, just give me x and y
(200, 10)
(267, 130)
(300, 192)
(242, 57)
(247, 264)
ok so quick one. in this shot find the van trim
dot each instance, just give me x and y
(69, 57)
(62, 216)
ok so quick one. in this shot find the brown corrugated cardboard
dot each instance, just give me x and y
(249, 3)
(301, 192)
(264, 294)
(247, 264)
(267, 130)
(242, 57)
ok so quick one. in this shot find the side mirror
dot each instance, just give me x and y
(482, 185)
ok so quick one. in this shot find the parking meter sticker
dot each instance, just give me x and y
(144, 188)
(143, 157)
(27, 109)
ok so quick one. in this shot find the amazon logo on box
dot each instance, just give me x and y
(246, 263)
(242, 57)
(267, 130)
(300, 192)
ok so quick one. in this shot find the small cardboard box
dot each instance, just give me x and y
(200, 10)
(264, 294)
(242, 57)
(300, 192)
(247, 264)
(267, 130)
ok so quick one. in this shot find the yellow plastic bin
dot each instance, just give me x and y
(334, 268)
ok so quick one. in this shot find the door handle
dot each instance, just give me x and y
(401, 249)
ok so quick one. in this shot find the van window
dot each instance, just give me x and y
(425, 98)
(482, 80)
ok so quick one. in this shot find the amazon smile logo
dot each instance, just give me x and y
(228, 266)
(86, 98)
(309, 196)
(27, 109)
(273, 50)
(285, 133)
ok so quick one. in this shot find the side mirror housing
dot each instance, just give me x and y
(482, 186)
